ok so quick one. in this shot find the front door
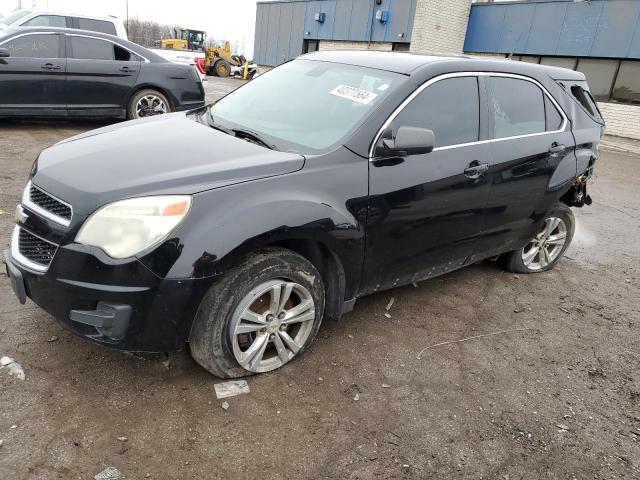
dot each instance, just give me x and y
(32, 77)
(100, 76)
(426, 210)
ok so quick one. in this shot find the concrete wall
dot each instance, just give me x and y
(344, 45)
(622, 120)
(440, 26)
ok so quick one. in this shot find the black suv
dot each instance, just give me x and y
(238, 227)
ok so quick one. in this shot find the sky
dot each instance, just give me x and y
(232, 20)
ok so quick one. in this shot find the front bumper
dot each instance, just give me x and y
(120, 304)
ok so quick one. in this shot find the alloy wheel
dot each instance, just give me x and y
(271, 325)
(150, 105)
(546, 246)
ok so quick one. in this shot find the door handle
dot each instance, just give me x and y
(127, 70)
(51, 66)
(556, 148)
(475, 169)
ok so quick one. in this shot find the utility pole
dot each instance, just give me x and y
(127, 3)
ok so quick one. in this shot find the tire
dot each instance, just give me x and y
(222, 68)
(154, 99)
(220, 341)
(545, 250)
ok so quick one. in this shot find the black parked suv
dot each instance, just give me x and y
(239, 227)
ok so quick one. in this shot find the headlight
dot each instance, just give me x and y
(127, 227)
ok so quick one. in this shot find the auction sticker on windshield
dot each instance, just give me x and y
(354, 94)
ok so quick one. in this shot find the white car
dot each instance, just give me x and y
(26, 18)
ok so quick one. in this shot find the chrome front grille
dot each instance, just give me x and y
(46, 205)
(49, 203)
(32, 251)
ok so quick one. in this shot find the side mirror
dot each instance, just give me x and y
(409, 141)
(4, 53)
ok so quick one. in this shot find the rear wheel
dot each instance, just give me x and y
(544, 250)
(147, 103)
(262, 314)
(222, 68)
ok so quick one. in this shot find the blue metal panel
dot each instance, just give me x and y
(634, 48)
(281, 26)
(284, 32)
(310, 24)
(599, 28)
(273, 25)
(342, 20)
(380, 28)
(516, 27)
(579, 28)
(484, 30)
(297, 30)
(545, 28)
(258, 44)
(615, 30)
(325, 29)
(360, 21)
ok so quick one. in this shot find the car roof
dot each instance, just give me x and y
(107, 18)
(410, 63)
(152, 57)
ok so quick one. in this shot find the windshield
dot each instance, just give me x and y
(13, 17)
(312, 105)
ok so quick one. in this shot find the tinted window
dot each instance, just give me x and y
(91, 48)
(627, 88)
(580, 92)
(46, 21)
(449, 107)
(553, 117)
(96, 26)
(518, 107)
(34, 46)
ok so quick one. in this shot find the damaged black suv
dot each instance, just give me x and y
(238, 227)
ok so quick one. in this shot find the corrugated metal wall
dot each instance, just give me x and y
(282, 27)
(599, 28)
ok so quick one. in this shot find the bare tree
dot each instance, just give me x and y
(147, 33)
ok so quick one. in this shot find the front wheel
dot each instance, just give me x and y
(261, 315)
(147, 103)
(544, 250)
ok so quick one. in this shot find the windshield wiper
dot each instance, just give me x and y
(253, 137)
(217, 126)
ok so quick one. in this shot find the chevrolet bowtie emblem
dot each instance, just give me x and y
(20, 215)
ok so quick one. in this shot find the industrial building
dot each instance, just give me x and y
(600, 38)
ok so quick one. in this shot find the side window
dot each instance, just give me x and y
(449, 107)
(124, 55)
(518, 107)
(92, 48)
(553, 117)
(96, 25)
(34, 46)
(46, 21)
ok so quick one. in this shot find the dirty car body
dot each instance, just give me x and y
(366, 216)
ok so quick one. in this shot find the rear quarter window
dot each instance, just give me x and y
(579, 91)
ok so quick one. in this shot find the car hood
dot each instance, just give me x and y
(160, 155)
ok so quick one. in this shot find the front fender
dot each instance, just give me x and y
(226, 223)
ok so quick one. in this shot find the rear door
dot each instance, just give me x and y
(426, 210)
(533, 153)
(100, 76)
(32, 77)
